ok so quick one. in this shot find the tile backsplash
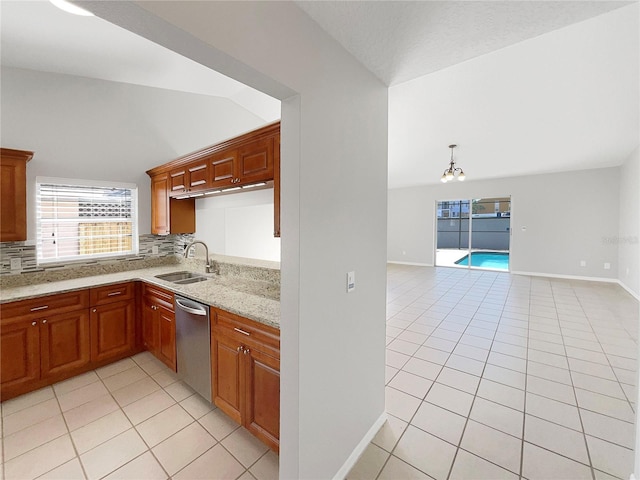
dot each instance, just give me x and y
(168, 245)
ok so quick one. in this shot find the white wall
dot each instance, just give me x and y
(239, 225)
(334, 164)
(568, 217)
(93, 129)
(629, 233)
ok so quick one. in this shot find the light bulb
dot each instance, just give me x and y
(449, 175)
(443, 179)
(461, 176)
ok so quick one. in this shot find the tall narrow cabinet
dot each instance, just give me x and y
(13, 194)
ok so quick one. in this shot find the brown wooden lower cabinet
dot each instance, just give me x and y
(40, 348)
(245, 361)
(262, 396)
(52, 347)
(158, 324)
(19, 355)
(226, 370)
(167, 330)
(64, 344)
(47, 339)
(113, 331)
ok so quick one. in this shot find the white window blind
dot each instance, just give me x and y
(80, 219)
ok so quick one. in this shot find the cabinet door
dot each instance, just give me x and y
(222, 168)
(112, 330)
(198, 175)
(160, 204)
(276, 187)
(167, 334)
(178, 180)
(150, 327)
(226, 373)
(13, 189)
(255, 161)
(19, 354)
(64, 343)
(262, 386)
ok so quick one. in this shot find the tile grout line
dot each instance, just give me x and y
(526, 383)
(575, 395)
(574, 391)
(422, 400)
(468, 418)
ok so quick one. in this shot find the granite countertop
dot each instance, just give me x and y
(254, 299)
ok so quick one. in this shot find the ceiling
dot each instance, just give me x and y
(522, 87)
(36, 35)
(403, 40)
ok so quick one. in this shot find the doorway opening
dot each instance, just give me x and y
(473, 233)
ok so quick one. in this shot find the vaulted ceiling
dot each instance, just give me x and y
(522, 87)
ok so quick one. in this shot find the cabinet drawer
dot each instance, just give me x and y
(160, 295)
(247, 331)
(47, 305)
(112, 293)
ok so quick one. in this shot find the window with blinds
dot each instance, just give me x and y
(80, 219)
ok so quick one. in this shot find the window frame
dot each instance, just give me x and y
(75, 182)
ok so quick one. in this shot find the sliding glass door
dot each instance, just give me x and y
(474, 233)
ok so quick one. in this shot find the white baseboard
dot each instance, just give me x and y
(631, 292)
(578, 277)
(567, 277)
(360, 448)
(415, 264)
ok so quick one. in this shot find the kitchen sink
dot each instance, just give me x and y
(182, 278)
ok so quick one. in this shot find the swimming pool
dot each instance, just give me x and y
(497, 260)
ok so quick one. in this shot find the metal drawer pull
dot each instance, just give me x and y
(246, 351)
(34, 323)
(113, 293)
(35, 309)
(242, 331)
(44, 321)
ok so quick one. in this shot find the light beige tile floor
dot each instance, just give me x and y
(132, 420)
(496, 376)
(489, 376)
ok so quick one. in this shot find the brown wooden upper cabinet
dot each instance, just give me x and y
(13, 194)
(170, 215)
(190, 178)
(223, 169)
(248, 159)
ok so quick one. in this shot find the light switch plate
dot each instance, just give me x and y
(16, 263)
(351, 281)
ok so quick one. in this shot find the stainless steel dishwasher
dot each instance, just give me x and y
(193, 345)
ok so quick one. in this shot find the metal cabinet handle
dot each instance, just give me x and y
(242, 331)
(111, 294)
(247, 351)
(94, 310)
(44, 321)
(34, 323)
(239, 348)
(35, 309)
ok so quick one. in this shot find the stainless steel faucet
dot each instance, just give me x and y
(206, 252)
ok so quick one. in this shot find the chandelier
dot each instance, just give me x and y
(452, 172)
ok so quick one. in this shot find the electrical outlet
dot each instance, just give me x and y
(154, 249)
(16, 263)
(583, 263)
(607, 266)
